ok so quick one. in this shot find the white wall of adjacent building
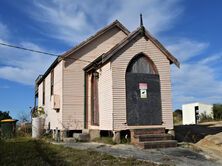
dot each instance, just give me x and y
(189, 114)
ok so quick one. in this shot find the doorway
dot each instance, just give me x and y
(94, 99)
(143, 98)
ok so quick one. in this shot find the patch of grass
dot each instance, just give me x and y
(105, 140)
(125, 141)
(25, 151)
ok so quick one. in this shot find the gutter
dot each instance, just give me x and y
(53, 65)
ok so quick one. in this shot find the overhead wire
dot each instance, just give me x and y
(27, 49)
(38, 51)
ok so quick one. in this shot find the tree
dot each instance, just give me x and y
(5, 115)
(177, 116)
(178, 112)
(24, 117)
(217, 110)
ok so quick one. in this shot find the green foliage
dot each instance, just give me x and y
(123, 140)
(178, 112)
(106, 140)
(177, 116)
(217, 110)
(204, 117)
(38, 112)
(4, 115)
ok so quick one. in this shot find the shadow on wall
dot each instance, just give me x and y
(194, 133)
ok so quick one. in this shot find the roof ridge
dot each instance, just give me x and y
(122, 41)
(97, 34)
(81, 44)
(102, 57)
(106, 56)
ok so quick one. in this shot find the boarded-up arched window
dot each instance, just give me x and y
(141, 64)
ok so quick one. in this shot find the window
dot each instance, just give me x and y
(52, 82)
(43, 93)
(141, 64)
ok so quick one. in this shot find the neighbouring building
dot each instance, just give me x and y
(114, 81)
(193, 112)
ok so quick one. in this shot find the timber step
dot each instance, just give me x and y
(158, 144)
(152, 138)
(149, 131)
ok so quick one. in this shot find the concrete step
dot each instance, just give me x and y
(77, 137)
(81, 137)
(69, 140)
(157, 144)
(137, 132)
(153, 137)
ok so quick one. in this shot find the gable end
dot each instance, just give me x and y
(104, 58)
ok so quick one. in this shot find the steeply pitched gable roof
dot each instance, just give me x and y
(104, 58)
(116, 23)
(99, 33)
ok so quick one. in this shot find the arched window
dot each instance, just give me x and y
(141, 64)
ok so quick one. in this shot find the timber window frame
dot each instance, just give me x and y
(141, 64)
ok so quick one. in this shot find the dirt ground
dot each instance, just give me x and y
(206, 137)
(212, 145)
(171, 156)
(194, 133)
(198, 145)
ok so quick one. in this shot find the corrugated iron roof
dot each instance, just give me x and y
(9, 120)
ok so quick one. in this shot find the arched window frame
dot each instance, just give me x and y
(149, 61)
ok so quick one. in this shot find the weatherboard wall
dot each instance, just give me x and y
(119, 65)
(51, 115)
(73, 87)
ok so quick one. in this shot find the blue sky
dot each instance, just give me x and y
(191, 30)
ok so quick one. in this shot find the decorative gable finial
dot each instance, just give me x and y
(141, 20)
(142, 28)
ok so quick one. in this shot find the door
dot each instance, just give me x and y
(143, 99)
(94, 100)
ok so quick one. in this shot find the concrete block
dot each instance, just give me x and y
(94, 134)
(171, 132)
(69, 140)
(85, 131)
(81, 137)
(116, 137)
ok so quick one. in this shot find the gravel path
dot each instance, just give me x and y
(172, 156)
